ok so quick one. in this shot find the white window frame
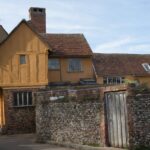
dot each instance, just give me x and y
(146, 66)
(72, 67)
(114, 80)
(20, 97)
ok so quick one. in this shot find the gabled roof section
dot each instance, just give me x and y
(74, 45)
(3, 34)
(28, 24)
(120, 64)
(63, 45)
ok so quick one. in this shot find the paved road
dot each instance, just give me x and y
(24, 142)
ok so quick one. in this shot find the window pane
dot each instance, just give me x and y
(20, 98)
(118, 80)
(113, 80)
(53, 64)
(30, 98)
(110, 80)
(105, 80)
(74, 65)
(25, 98)
(15, 99)
(146, 66)
(22, 59)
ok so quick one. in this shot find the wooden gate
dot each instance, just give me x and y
(116, 119)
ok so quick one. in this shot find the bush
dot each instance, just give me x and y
(142, 88)
(142, 147)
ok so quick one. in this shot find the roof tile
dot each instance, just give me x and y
(68, 44)
(120, 64)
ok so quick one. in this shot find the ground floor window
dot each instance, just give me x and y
(22, 99)
(113, 80)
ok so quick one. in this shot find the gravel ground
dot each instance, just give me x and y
(25, 142)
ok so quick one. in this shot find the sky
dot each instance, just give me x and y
(110, 26)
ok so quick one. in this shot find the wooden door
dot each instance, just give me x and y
(2, 114)
(116, 119)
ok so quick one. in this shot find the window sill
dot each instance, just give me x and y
(53, 69)
(23, 106)
(113, 83)
(75, 71)
(23, 65)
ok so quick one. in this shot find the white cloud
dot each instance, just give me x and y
(114, 45)
(98, 21)
(126, 45)
(140, 47)
(73, 28)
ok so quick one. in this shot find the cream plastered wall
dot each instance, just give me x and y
(23, 41)
(63, 75)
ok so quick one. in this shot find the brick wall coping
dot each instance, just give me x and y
(67, 89)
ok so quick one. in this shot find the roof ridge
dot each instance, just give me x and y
(120, 64)
(3, 29)
(63, 34)
(28, 24)
(120, 54)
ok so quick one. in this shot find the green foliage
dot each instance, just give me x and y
(142, 147)
(142, 88)
(131, 81)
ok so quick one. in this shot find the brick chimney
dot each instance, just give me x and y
(38, 18)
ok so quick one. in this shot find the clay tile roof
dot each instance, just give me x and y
(68, 44)
(120, 64)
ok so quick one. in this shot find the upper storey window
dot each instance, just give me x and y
(74, 65)
(146, 66)
(53, 64)
(22, 59)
